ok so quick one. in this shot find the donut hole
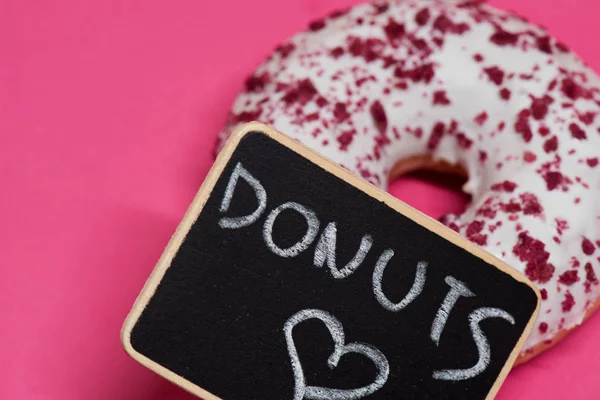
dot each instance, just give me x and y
(431, 187)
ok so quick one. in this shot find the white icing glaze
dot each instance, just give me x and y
(378, 84)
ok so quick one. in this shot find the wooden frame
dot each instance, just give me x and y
(206, 189)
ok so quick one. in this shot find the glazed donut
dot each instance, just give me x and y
(389, 87)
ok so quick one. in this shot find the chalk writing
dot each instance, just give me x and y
(336, 330)
(261, 195)
(457, 289)
(325, 252)
(414, 291)
(483, 347)
(312, 223)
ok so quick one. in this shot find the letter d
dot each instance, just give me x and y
(259, 190)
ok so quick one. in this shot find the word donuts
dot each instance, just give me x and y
(390, 87)
(326, 250)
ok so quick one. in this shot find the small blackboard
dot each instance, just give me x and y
(290, 278)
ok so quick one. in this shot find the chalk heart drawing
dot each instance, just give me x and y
(303, 391)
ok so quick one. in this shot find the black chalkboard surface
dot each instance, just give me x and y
(290, 278)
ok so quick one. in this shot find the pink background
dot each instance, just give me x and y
(108, 114)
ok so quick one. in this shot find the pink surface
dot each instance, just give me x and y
(108, 114)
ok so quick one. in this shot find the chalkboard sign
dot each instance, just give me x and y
(291, 278)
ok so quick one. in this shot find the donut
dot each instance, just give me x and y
(387, 88)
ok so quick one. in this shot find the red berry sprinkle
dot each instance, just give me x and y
(440, 98)
(568, 277)
(577, 132)
(587, 246)
(533, 252)
(422, 17)
(568, 302)
(495, 74)
(551, 144)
